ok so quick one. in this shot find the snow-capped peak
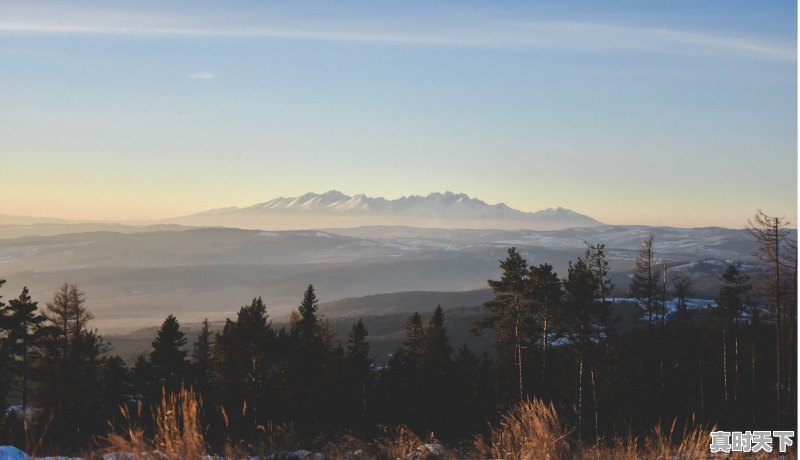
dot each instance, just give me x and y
(443, 209)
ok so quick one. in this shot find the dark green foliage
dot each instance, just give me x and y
(307, 328)
(511, 316)
(117, 389)
(436, 349)
(23, 323)
(201, 361)
(243, 366)
(5, 355)
(358, 382)
(546, 294)
(168, 357)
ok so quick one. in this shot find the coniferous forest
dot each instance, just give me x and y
(560, 353)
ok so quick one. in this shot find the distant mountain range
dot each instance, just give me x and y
(334, 209)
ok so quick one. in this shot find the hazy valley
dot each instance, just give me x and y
(134, 275)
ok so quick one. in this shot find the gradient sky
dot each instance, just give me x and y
(678, 113)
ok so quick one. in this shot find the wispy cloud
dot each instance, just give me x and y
(201, 75)
(542, 35)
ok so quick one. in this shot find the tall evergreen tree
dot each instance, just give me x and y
(5, 355)
(414, 340)
(168, 356)
(24, 326)
(585, 319)
(308, 328)
(546, 294)
(731, 306)
(243, 366)
(201, 361)
(117, 389)
(436, 349)
(358, 365)
(510, 315)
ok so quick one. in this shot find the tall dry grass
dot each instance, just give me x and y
(177, 430)
(529, 430)
(689, 443)
(532, 430)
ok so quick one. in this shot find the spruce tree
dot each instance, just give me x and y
(436, 349)
(244, 372)
(168, 356)
(201, 361)
(414, 340)
(116, 389)
(358, 366)
(308, 329)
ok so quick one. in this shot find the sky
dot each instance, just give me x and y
(678, 113)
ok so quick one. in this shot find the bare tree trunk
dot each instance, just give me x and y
(776, 233)
(735, 367)
(518, 352)
(580, 398)
(25, 386)
(544, 350)
(725, 366)
(596, 421)
(702, 397)
(753, 368)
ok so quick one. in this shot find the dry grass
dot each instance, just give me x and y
(529, 430)
(177, 430)
(398, 442)
(690, 443)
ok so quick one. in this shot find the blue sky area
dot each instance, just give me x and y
(663, 113)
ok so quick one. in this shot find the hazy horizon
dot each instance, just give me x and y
(677, 114)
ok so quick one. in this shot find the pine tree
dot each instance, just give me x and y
(358, 365)
(546, 294)
(243, 366)
(168, 356)
(436, 349)
(24, 325)
(5, 354)
(142, 380)
(584, 321)
(201, 361)
(731, 305)
(510, 316)
(308, 329)
(116, 389)
(410, 355)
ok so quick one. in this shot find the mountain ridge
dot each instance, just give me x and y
(434, 209)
